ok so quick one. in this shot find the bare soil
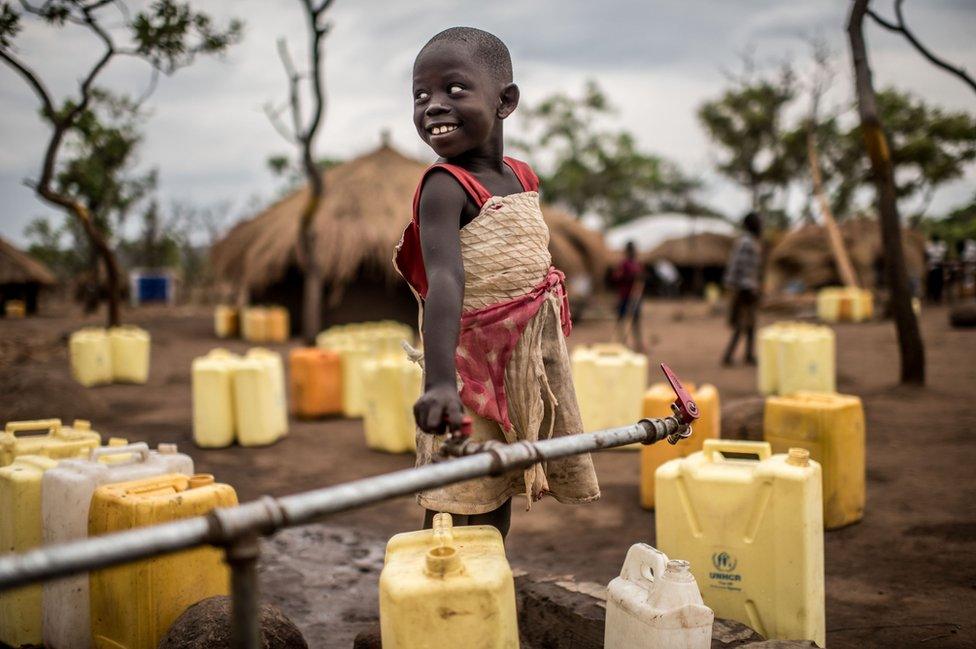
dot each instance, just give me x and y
(903, 577)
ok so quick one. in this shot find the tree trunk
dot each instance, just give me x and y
(910, 345)
(844, 267)
(112, 270)
(312, 288)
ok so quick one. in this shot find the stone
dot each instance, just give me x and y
(743, 419)
(206, 625)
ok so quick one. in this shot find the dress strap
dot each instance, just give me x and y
(524, 173)
(478, 193)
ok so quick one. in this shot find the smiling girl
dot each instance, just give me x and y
(494, 311)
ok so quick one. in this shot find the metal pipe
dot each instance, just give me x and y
(242, 557)
(266, 515)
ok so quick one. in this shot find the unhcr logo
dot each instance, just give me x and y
(724, 561)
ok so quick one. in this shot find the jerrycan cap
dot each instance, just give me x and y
(198, 480)
(798, 457)
(678, 570)
(442, 560)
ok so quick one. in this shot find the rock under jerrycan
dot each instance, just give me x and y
(133, 605)
(610, 382)
(391, 385)
(831, 428)
(655, 604)
(56, 441)
(90, 354)
(66, 494)
(213, 398)
(130, 354)
(20, 530)
(448, 587)
(751, 524)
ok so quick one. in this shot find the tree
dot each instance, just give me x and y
(910, 346)
(747, 121)
(601, 171)
(303, 134)
(292, 174)
(167, 35)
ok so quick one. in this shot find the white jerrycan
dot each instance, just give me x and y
(655, 604)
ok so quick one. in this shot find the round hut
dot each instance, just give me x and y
(699, 258)
(22, 277)
(802, 260)
(366, 206)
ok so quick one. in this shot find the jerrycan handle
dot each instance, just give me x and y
(52, 426)
(644, 565)
(711, 447)
(139, 449)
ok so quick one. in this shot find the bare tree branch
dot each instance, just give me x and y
(31, 77)
(902, 28)
(294, 96)
(274, 116)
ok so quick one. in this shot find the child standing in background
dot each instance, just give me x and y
(743, 282)
(494, 311)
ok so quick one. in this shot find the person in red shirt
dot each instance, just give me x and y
(630, 280)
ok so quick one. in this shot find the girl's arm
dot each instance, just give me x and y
(441, 202)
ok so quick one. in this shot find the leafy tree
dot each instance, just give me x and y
(957, 225)
(601, 171)
(747, 122)
(167, 35)
(281, 166)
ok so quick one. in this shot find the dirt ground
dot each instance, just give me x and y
(903, 577)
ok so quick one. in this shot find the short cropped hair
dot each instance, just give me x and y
(752, 222)
(488, 49)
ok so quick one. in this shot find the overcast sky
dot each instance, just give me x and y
(658, 60)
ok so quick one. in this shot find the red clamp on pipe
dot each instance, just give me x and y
(684, 406)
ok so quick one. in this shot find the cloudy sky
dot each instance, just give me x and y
(657, 59)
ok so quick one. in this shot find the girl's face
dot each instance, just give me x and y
(457, 103)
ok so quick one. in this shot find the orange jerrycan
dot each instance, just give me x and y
(14, 309)
(57, 441)
(21, 530)
(657, 403)
(316, 382)
(448, 587)
(751, 525)
(133, 605)
(831, 428)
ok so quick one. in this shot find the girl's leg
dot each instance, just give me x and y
(730, 349)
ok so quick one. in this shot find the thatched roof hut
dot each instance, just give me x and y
(702, 250)
(803, 256)
(366, 205)
(21, 277)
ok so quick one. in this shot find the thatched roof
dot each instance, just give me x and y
(367, 203)
(704, 249)
(804, 254)
(17, 267)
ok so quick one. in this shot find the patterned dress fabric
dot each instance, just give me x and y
(513, 365)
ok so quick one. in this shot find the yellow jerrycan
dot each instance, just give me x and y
(213, 398)
(259, 410)
(751, 525)
(254, 324)
(448, 587)
(130, 354)
(21, 530)
(796, 356)
(657, 403)
(57, 441)
(354, 353)
(831, 428)
(226, 321)
(133, 605)
(279, 324)
(91, 356)
(610, 382)
(391, 386)
(276, 369)
(14, 309)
